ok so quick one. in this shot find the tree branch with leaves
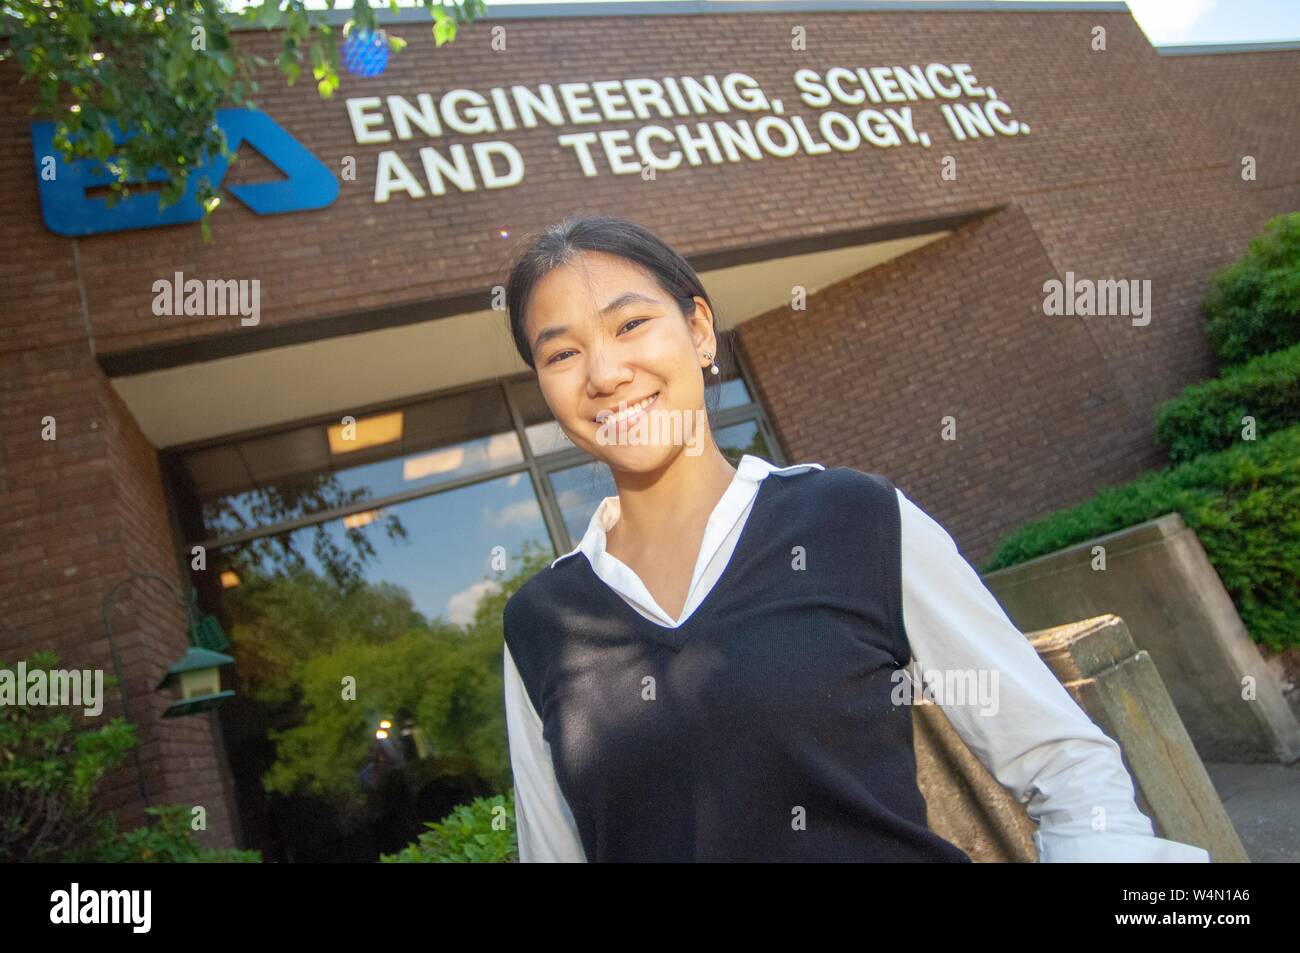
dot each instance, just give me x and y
(136, 86)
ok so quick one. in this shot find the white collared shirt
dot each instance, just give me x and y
(1038, 743)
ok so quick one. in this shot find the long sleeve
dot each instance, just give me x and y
(1038, 743)
(544, 822)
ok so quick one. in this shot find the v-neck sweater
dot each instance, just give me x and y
(838, 633)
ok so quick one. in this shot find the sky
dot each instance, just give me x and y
(1175, 22)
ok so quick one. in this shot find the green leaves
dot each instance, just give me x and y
(317, 61)
(177, 69)
(1253, 304)
(169, 839)
(268, 14)
(324, 63)
(51, 762)
(287, 61)
(103, 144)
(468, 835)
(444, 27)
(1208, 416)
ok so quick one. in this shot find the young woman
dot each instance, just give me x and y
(715, 672)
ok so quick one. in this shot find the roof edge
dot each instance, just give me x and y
(643, 8)
(1196, 49)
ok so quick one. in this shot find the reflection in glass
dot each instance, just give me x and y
(734, 393)
(323, 491)
(742, 438)
(437, 549)
(547, 437)
(541, 431)
(357, 435)
(368, 665)
(579, 490)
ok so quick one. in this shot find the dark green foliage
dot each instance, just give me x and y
(481, 832)
(1209, 416)
(169, 840)
(51, 761)
(1253, 306)
(1243, 503)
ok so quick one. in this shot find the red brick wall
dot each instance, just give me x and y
(81, 513)
(1249, 104)
(185, 752)
(865, 377)
(1097, 117)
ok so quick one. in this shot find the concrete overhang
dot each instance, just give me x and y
(178, 397)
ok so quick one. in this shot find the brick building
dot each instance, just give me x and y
(920, 170)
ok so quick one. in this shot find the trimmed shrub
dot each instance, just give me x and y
(480, 832)
(1243, 503)
(1207, 417)
(1253, 305)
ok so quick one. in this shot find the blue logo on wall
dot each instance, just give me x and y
(365, 53)
(68, 210)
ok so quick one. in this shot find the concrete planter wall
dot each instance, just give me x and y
(1158, 579)
(1118, 687)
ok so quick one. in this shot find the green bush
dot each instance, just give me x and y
(50, 766)
(480, 832)
(169, 840)
(1243, 503)
(49, 769)
(1253, 305)
(1207, 417)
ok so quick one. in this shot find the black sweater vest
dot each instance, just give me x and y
(762, 728)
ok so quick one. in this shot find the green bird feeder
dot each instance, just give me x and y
(198, 674)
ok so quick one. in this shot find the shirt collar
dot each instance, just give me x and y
(750, 471)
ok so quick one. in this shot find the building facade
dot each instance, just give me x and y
(878, 197)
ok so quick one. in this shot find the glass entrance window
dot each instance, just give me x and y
(578, 491)
(439, 554)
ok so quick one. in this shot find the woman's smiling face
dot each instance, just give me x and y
(604, 337)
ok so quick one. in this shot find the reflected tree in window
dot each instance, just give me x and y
(303, 638)
(276, 504)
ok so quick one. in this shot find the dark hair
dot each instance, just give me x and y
(559, 244)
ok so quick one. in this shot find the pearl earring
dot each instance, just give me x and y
(709, 357)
